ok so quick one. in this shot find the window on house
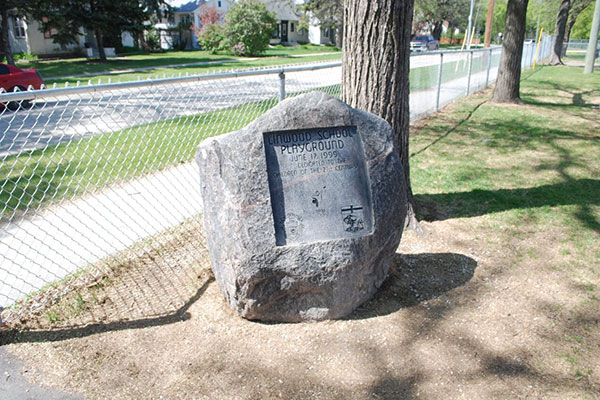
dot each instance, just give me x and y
(48, 33)
(292, 27)
(276, 32)
(219, 4)
(19, 25)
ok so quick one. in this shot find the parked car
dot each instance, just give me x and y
(424, 43)
(16, 79)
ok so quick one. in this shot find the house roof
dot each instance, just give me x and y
(283, 9)
(190, 6)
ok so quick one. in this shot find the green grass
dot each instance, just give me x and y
(423, 78)
(537, 162)
(32, 179)
(63, 70)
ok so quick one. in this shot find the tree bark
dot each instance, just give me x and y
(577, 6)
(375, 67)
(559, 32)
(489, 21)
(437, 31)
(100, 43)
(4, 40)
(339, 35)
(509, 72)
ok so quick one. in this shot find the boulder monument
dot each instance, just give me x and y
(303, 209)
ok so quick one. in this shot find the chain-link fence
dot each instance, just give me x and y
(99, 193)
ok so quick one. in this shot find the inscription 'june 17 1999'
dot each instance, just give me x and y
(318, 184)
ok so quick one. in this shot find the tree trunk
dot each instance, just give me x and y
(559, 32)
(489, 21)
(100, 43)
(576, 8)
(375, 67)
(4, 40)
(339, 34)
(509, 71)
(437, 31)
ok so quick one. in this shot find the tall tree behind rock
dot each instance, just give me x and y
(375, 68)
(559, 32)
(508, 82)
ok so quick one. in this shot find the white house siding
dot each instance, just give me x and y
(127, 39)
(298, 35)
(318, 35)
(17, 44)
(41, 46)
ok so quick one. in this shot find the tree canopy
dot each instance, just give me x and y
(66, 18)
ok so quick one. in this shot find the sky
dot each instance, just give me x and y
(177, 3)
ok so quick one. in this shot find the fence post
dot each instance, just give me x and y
(439, 88)
(489, 67)
(469, 75)
(281, 86)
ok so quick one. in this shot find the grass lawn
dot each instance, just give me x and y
(497, 299)
(65, 170)
(68, 67)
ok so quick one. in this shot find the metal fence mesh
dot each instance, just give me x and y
(99, 193)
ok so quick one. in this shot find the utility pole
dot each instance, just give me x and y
(488, 23)
(590, 56)
(470, 23)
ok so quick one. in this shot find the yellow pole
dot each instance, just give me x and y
(462, 47)
(537, 48)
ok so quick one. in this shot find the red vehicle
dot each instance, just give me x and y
(16, 79)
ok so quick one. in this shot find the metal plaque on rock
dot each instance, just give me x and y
(319, 184)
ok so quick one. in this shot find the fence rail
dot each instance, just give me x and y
(98, 184)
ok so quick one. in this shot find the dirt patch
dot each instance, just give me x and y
(465, 314)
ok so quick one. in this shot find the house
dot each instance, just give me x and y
(188, 13)
(319, 35)
(24, 36)
(287, 16)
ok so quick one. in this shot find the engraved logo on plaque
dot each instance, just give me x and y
(319, 184)
(353, 218)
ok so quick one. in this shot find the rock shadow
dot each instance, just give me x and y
(415, 278)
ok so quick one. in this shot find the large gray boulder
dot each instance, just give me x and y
(303, 209)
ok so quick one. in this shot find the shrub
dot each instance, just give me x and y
(249, 22)
(238, 49)
(210, 37)
(153, 39)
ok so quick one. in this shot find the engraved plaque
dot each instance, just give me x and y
(319, 184)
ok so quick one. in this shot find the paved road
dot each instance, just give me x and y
(66, 118)
(13, 386)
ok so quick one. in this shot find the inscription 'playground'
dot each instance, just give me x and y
(318, 184)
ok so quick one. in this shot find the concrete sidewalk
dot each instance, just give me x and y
(14, 386)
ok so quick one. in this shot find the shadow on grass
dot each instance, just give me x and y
(56, 335)
(442, 206)
(415, 278)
